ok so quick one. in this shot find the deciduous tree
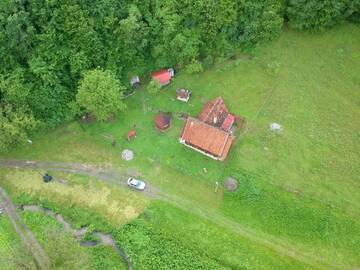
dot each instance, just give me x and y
(100, 94)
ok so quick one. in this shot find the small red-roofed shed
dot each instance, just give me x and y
(131, 134)
(162, 76)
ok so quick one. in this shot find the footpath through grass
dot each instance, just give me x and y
(13, 253)
(64, 250)
(301, 186)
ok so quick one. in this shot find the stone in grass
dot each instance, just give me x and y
(231, 184)
(127, 155)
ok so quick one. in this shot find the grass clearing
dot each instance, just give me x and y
(300, 186)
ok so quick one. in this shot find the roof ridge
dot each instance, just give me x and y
(217, 100)
(217, 128)
(225, 142)
(186, 124)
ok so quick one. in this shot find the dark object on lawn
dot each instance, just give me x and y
(47, 178)
(181, 115)
(113, 144)
(231, 184)
(183, 94)
(87, 118)
(162, 121)
(131, 134)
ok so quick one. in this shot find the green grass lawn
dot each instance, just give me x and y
(300, 186)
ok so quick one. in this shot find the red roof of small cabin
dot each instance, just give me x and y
(162, 121)
(162, 76)
(228, 122)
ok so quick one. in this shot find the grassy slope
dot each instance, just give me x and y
(64, 251)
(11, 247)
(168, 238)
(299, 186)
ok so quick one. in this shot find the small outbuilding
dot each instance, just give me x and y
(183, 94)
(135, 81)
(163, 76)
(131, 134)
(162, 121)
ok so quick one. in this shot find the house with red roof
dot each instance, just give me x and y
(211, 134)
(163, 76)
(206, 139)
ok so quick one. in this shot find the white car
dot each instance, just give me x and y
(132, 182)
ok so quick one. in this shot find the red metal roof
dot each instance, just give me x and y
(162, 76)
(228, 122)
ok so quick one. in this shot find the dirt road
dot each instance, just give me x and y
(107, 175)
(278, 245)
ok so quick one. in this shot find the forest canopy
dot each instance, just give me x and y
(47, 46)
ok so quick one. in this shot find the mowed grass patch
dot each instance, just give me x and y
(116, 205)
(68, 143)
(315, 97)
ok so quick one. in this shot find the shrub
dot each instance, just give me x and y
(194, 67)
(153, 87)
